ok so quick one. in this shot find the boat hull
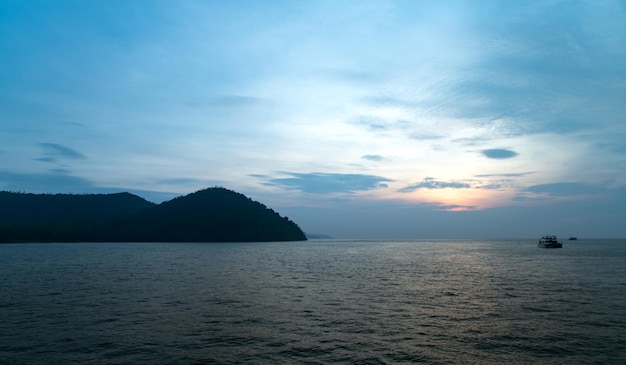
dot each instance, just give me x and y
(550, 245)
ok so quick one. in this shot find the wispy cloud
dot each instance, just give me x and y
(229, 101)
(456, 207)
(373, 157)
(565, 189)
(431, 183)
(492, 186)
(324, 183)
(45, 159)
(514, 174)
(53, 181)
(371, 123)
(62, 181)
(425, 137)
(54, 150)
(60, 171)
(498, 153)
(183, 181)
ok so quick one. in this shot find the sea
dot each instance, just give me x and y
(314, 302)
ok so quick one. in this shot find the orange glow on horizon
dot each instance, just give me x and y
(455, 200)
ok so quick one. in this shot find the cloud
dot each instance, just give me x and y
(61, 171)
(431, 183)
(76, 124)
(455, 207)
(45, 159)
(229, 101)
(181, 184)
(385, 100)
(551, 73)
(60, 181)
(497, 153)
(51, 182)
(519, 174)
(373, 157)
(351, 76)
(324, 183)
(183, 181)
(615, 143)
(53, 150)
(371, 123)
(425, 137)
(565, 189)
(493, 186)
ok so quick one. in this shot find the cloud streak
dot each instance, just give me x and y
(54, 151)
(565, 189)
(373, 157)
(48, 182)
(498, 153)
(329, 183)
(431, 183)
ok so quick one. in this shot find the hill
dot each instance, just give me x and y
(209, 215)
(62, 217)
(25, 209)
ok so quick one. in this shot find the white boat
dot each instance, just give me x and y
(549, 241)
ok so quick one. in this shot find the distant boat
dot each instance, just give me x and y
(573, 239)
(549, 242)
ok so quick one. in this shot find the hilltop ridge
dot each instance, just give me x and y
(208, 215)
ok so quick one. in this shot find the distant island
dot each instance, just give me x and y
(210, 215)
(317, 236)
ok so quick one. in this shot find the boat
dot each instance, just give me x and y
(573, 239)
(549, 242)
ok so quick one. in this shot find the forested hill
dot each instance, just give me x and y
(23, 210)
(209, 215)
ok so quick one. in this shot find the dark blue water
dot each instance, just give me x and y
(316, 302)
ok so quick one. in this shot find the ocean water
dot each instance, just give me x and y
(315, 302)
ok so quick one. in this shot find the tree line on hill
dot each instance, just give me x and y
(209, 215)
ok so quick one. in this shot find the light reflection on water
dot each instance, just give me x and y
(317, 302)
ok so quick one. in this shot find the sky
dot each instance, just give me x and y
(356, 119)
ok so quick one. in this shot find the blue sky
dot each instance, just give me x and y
(355, 119)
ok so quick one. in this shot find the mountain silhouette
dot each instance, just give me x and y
(62, 217)
(209, 215)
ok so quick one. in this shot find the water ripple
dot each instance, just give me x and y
(321, 302)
